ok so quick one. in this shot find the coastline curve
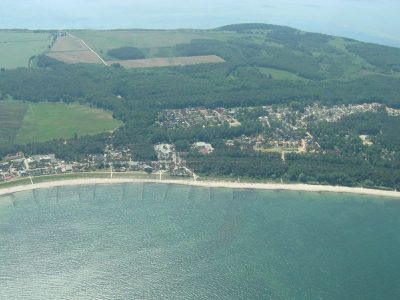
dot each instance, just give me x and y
(210, 184)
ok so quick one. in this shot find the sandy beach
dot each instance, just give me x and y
(213, 184)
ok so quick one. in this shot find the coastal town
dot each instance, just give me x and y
(284, 129)
(289, 116)
(16, 166)
(192, 117)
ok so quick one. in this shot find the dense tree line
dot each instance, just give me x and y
(207, 85)
(382, 56)
(44, 61)
(126, 53)
(234, 163)
(326, 169)
(343, 137)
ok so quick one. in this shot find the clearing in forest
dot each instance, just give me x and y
(22, 123)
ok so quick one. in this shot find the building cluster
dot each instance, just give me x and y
(121, 160)
(266, 143)
(118, 159)
(18, 165)
(393, 112)
(169, 161)
(203, 148)
(112, 160)
(286, 129)
(197, 117)
(335, 113)
(295, 120)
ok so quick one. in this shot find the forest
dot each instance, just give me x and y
(125, 53)
(330, 71)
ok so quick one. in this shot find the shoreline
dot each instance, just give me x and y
(211, 184)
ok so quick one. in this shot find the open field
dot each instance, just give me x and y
(74, 57)
(68, 43)
(169, 61)
(158, 46)
(72, 50)
(11, 116)
(16, 47)
(26, 122)
(46, 121)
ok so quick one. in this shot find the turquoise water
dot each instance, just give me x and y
(154, 241)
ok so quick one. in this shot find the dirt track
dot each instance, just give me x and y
(70, 49)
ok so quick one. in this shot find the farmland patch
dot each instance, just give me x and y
(72, 50)
(169, 61)
(17, 47)
(74, 57)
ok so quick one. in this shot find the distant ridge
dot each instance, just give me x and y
(254, 26)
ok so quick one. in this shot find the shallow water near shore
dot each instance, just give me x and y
(158, 241)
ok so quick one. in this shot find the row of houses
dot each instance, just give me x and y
(112, 159)
(118, 160)
(18, 165)
(195, 117)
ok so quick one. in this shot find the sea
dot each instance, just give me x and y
(161, 241)
(367, 20)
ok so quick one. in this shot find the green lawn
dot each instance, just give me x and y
(16, 47)
(21, 123)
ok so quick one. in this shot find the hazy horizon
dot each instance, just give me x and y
(368, 20)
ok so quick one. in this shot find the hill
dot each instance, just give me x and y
(261, 47)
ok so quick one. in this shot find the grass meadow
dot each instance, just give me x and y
(22, 123)
(17, 47)
(11, 117)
